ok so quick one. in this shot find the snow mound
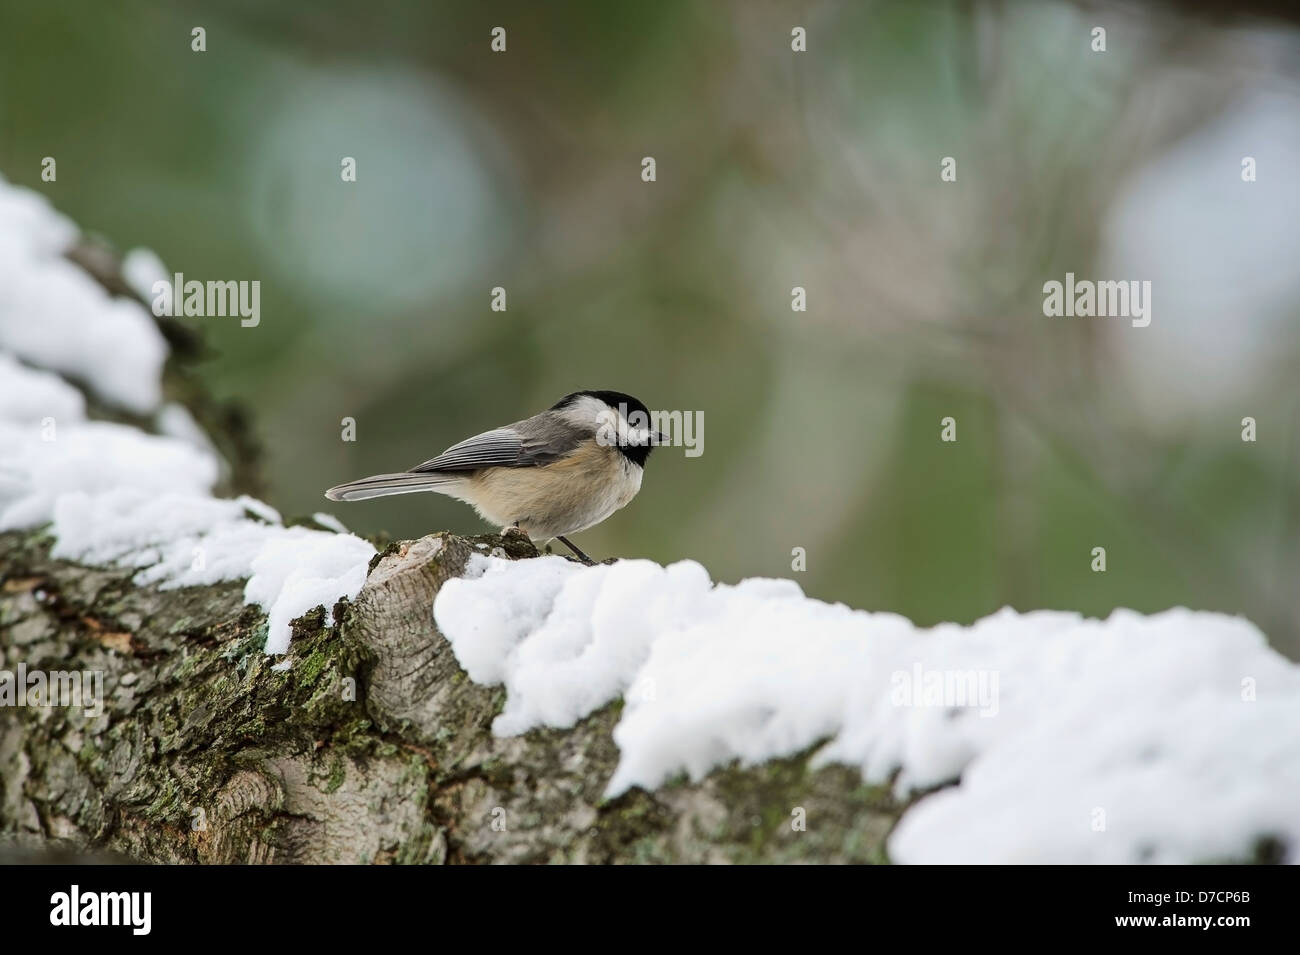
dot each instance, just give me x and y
(53, 315)
(1165, 738)
(114, 495)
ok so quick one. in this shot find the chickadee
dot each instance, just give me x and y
(556, 473)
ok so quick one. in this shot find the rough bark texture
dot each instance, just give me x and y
(206, 754)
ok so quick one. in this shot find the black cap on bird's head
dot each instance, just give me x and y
(633, 411)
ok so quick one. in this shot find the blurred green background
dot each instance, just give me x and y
(775, 169)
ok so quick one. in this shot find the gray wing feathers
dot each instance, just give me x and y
(524, 444)
(501, 448)
(537, 440)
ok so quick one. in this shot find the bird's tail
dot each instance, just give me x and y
(382, 485)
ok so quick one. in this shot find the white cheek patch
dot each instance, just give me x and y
(613, 429)
(609, 429)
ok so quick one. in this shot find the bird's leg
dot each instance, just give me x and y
(581, 556)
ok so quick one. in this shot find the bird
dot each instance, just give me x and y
(559, 472)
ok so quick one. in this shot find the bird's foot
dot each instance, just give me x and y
(581, 556)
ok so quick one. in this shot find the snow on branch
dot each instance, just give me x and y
(54, 315)
(114, 494)
(1165, 738)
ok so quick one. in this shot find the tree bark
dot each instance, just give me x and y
(206, 754)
